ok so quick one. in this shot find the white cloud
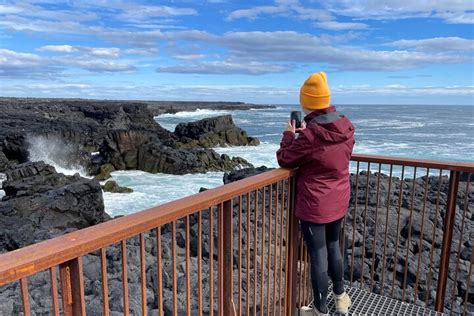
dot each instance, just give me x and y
(438, 44)
(97, 65)
(25, 65)
(226, 68)
(58, 49)
(454, 11)
(338, 26)
(254, 12)
(398, 90)
(189, 56)
(107, 52)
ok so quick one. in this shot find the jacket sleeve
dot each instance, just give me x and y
(293, 151)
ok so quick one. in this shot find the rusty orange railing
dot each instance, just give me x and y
(248, 230)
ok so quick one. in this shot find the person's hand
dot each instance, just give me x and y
(303, 126)
(291, 126)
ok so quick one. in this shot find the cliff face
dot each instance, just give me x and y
(125, 135)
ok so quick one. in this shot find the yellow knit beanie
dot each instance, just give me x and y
(315, 93)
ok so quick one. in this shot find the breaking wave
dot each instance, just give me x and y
(55, 152)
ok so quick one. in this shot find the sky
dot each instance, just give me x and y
(374, 51)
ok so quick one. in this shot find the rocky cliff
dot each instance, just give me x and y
(124, 134)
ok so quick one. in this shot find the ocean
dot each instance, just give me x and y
(414, 131)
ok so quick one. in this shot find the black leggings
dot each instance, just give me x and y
(322, 241)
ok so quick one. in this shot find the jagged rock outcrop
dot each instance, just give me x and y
(40, 203)
(124, 134)
(213, 132)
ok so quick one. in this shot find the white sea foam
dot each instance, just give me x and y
(54, 152)
(261, 155)
(155, 189)
(170, 120)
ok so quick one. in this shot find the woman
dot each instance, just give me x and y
(321, 149)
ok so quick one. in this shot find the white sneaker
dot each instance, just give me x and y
(311, 310)
(343, 302)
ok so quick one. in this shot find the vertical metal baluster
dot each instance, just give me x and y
(262, 281)
(173, 272)
(288, 279)
(384, 261)
(54, 290)
(105, 285)
(461, 237)
(372, 267)
(362, 284)
(143, 274)
(159, 267)
(469, 279)
(123, 245)
(395, 258)
(199, 262)
(408, 243)
(275, 248)
(25, 296)
(239, 275)
(247, 257)
(211, 263)
(255, 252)
(354, 222)
(220, 262)
(415, 296)
(270, 207)
(433, 237)
(280, 283)
(188, 267)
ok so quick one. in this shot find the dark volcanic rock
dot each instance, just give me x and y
(112, 186)
(162, 107)
(83, 124)
(40, 203)
(124, 134)
(214, 131)
(244, 173)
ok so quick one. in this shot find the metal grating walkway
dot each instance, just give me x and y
(366, 303)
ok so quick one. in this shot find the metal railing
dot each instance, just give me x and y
(237, 249)
(408, 233)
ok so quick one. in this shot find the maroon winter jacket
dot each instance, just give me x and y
(321, 152)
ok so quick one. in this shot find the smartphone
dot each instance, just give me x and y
(296, 116)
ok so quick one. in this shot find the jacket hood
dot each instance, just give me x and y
(336, 132)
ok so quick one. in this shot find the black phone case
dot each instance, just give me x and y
(296, 116)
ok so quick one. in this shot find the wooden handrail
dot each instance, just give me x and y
(423, 163)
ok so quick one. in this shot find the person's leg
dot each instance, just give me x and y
(336, 268)
(315, 238)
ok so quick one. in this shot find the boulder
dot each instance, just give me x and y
(214, 131)
(244, 173)
(112, 186)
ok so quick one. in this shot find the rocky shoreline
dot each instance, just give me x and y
(118, 135)
(40, 203)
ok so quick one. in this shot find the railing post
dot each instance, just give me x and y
(292, 254)
(447, 240)
(72, 287)
(228, 269)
